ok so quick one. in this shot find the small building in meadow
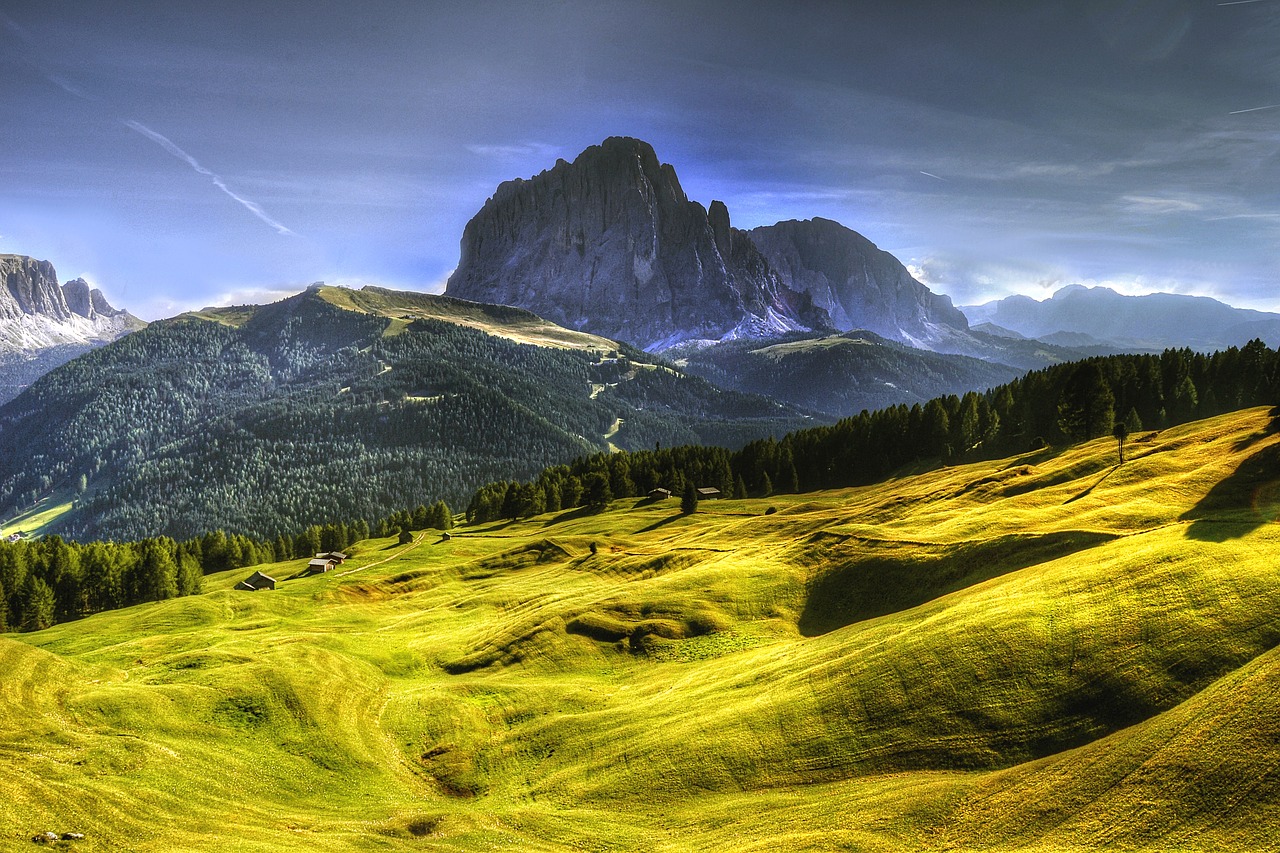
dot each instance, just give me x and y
(257, 581)
(337, 556)
(320, 565)
(659, 494)
(708, 493)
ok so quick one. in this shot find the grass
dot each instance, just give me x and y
(511, 323)
(1045, 653)
(38, 518)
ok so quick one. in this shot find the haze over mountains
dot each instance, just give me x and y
(1099, 316)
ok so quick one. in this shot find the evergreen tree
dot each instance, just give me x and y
(157, 572)
(1132, 422)
(37, 604)
(187, 579)
(597, 493)
(1086, 405)
(689, 500)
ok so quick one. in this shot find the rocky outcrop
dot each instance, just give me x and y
(859, 285)
(43, 324)
(30, 287)
(611, 244)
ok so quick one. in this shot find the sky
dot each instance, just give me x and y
(181, 154)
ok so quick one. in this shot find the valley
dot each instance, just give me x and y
(1043, 652)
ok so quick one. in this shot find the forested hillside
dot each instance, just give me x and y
(264, 420)
(1060, 404)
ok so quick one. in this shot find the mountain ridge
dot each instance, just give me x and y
(1151, 322)
(44, 324)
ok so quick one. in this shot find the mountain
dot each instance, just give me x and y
(1077, 314)
(611, 244)
(859, 285)
(334, 405)
(43, 324)
(1038, 653)
(839, 375)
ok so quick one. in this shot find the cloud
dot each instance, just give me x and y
(1159, 205)
(173, 149)
(516, 151)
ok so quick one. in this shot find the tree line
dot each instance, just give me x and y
(51, 580)
(1062, 403)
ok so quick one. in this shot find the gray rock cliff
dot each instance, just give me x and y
(30, 287)
(43, 325)
(859, 285)
(611, 244)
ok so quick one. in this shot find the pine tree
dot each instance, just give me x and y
(1086, 405)
(689, 500)
(157, 572)
(37, 604)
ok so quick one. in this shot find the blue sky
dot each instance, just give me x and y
(181, 154)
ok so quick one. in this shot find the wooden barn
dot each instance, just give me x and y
(337, 556)
(320, 565)
(659, 494)
(257, 581)
(708, 493)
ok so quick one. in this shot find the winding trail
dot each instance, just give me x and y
(406, 549)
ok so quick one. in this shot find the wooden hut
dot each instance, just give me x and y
(257, 581)
(708, 493)
(320, 565)
(659, 494)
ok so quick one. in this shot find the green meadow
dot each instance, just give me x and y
(1049, 652)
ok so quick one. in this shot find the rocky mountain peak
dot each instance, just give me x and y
(43, 324)
(857, 283)
(30, 287)
(610, 243)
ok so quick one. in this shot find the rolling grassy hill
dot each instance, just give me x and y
(1048, 652)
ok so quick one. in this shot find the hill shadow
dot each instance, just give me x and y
(1241, 502)
(858, 580)
(1094, 485)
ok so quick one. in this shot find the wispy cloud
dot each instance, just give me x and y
(165, 143)
(519, 150)
(1159, 204)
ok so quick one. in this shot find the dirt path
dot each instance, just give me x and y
(405, 550)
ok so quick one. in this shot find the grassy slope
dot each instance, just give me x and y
(512, 323)
(1044, 653)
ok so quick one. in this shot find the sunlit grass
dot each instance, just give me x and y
(1042, 653)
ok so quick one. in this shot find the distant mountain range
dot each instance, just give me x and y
(1098, 316)
(44, 324)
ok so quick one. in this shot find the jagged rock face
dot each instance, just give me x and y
(43, 325)
(77, 294)
(859, 285)
(30, 287)
(611, 244)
